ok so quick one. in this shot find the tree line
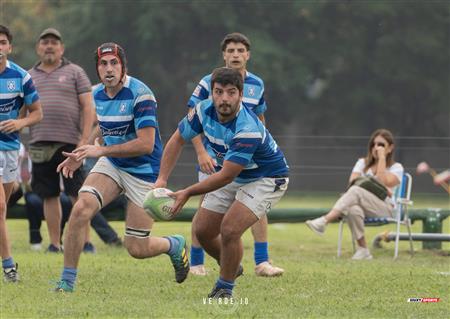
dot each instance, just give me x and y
(330, 67)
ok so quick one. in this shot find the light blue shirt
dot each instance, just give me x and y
(133, 108)
(243, 140)
(16, 89)
(253, 93)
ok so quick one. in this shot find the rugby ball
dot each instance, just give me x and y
(158, 204)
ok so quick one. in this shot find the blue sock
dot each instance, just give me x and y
(261, 253)
(174, 244)
(69, 275)
(224, 284)
(197, 256)
(8, 263)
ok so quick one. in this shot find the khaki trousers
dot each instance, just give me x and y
(357, 204)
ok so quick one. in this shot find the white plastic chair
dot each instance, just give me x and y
(402, 197)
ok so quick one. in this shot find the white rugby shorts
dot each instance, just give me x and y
(259, 196)
(134, 188)
(9, 166)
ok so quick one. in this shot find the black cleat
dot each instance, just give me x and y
(220, 293)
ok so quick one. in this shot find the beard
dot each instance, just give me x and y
(225, 109)
(50, 59)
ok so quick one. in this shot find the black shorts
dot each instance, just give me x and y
(45, 181)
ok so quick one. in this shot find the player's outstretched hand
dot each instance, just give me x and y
(68, 166)
(180, 197)
(80, 153)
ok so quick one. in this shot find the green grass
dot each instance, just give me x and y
(316, 284)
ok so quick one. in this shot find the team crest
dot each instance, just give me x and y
(11, 85)
(251, 91)
(123, 107)
(62, 79)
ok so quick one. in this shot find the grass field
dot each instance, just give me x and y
(316, 284)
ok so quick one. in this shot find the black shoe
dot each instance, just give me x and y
(220, 293)
(53, 249)
(11, 274)
(89, 248)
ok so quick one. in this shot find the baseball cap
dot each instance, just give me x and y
(50, 31)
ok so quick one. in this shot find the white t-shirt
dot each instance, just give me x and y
(396, 169)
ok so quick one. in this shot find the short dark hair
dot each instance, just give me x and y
(236, 38)
(4, 30)
(225, 76)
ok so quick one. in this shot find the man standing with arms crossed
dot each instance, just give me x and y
(16, 90)
(253, 173)
(236, 53)
(128, 163)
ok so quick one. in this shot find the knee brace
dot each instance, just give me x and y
(93, 191)
(138, 233)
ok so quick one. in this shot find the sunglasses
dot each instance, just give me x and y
(379, 144)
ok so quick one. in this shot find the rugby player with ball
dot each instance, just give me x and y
(252, 178)
(128, 163)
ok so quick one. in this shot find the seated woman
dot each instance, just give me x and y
(358, 203)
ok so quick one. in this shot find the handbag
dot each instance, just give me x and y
(43, 152)
(372, 185)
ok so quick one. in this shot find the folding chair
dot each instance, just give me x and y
(402, 197)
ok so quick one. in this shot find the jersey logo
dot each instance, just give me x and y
(11, 85)
(116, 131)
(123, 107)
(251, 91)
(7, 107)
(62, 78)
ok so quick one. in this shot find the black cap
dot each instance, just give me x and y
(50, 31)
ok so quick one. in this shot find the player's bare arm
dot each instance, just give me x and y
(143, 144)
(33, 117)
(172, 151)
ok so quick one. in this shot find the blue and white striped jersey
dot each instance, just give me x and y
(133, 108)
(253, 95)
(243, 140)
(16, 89)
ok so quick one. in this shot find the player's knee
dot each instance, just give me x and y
(83, 209)
(202, 233)
(229, 233)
